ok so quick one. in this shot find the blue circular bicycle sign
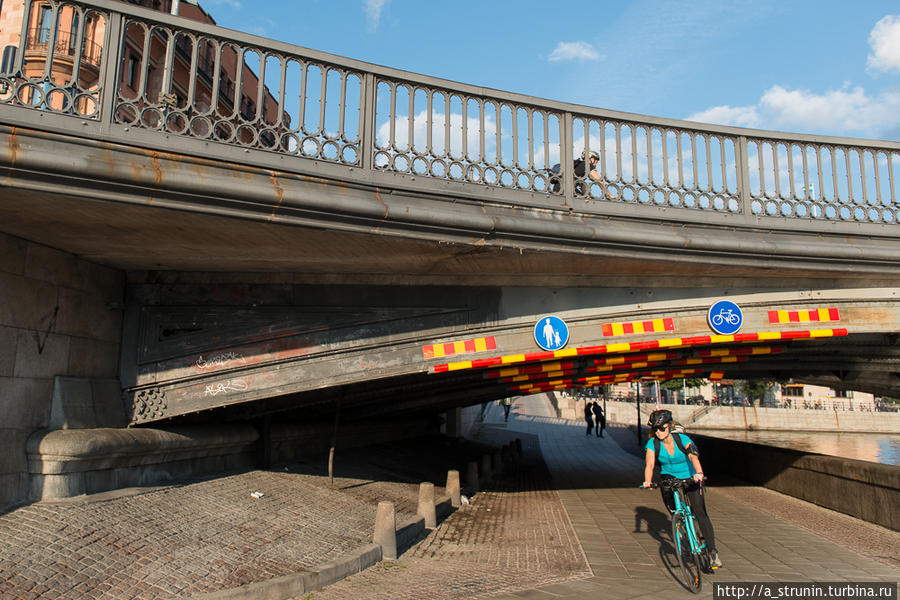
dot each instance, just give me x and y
(725, 317)
(551, 333)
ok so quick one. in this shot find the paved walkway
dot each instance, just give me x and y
(569, 523)
(624, 532)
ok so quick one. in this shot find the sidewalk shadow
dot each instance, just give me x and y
(659, 526)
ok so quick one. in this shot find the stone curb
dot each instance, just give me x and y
(301, 582)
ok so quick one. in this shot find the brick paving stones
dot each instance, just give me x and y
(514, 536)
(204, 536)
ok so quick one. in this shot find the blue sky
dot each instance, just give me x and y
(808, 66)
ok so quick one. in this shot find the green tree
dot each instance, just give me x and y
(755, 389)
(689, 382)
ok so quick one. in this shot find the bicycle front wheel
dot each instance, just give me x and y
(689, 561)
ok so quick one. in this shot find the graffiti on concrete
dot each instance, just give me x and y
(232, 385)
(219, 360)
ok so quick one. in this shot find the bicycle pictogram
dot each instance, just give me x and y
(726, 316)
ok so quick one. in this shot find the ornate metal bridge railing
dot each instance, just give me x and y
(164, 82)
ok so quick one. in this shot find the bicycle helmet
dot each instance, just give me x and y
(593, 154)
(660, 418)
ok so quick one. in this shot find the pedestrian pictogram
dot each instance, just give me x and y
(551, 333)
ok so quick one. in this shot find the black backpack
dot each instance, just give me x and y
(555, 184)
(678, 442)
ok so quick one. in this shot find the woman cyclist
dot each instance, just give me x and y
(679, 461)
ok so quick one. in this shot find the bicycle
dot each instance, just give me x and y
(693, 554)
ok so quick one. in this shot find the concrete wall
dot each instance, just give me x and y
(751, 417)
(470, 417)
(868, 491)
(70, 462)
(59, 316)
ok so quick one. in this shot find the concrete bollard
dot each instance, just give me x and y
(472, 475)
(453, 488)
(386, 529)
(485, 470)
(426, 505)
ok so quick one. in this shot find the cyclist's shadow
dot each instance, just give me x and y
(659, 526)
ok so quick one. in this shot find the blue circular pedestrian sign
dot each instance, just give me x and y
(725, 317)
(551, 333)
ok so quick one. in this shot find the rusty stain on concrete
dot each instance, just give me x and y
(380, 201)
(13, 143)
(157, 174)
(279, 192)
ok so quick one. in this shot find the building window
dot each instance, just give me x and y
(131, 71)
(44, 24)
(9, 60)
(73, 33)
(792, 391)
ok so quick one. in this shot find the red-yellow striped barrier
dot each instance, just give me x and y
(804, 316)
(700, 340)
(467, 346)
(635, 327)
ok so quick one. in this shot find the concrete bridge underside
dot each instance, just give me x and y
(254, 292)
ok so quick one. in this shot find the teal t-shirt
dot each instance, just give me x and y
(676, 464)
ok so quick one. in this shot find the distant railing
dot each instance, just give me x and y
(200, 82)
(38, 40)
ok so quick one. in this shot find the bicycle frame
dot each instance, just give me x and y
(681, 506)
(693, 556)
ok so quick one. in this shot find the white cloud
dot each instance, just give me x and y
(843, 112)
(372, 9)
(739, 116)
(573, 51)
(438, 140)
(885, 42)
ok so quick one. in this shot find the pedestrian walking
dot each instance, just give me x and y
(507, 404)
(599, 419)
(589, 416)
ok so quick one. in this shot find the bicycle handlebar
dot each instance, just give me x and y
(674, 482)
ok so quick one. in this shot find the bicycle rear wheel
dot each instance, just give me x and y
(690, 562)
(704, 556)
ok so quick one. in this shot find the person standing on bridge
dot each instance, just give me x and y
(589, 416)
(678, 459)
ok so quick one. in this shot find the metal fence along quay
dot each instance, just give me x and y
(125, 74)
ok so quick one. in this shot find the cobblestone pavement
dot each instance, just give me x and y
(512, 537)
(181, 540)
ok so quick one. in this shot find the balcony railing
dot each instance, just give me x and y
(64, 45)
(432, 135)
